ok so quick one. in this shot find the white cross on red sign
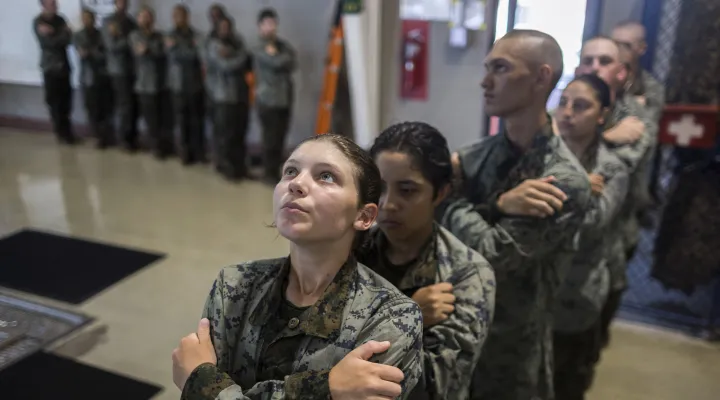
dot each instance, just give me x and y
(686, 130)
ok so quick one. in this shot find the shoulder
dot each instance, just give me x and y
(570, 176)
(472, 155)
(250, 275)
(375, 293)
(465, 263)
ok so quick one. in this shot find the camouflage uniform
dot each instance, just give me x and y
(358, 306)
(55, 67)
(530, 256)
(230, 95)
(151, 86)
(585, 289)
(121, 69)
(636, 158)
(95, 82)
(185, 80)
(274, 98)
(653, 91)
(451, 348)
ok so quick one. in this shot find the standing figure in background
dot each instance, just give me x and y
(274, 62)
(229, 93)
(216, 13)
(648, 92)
(94, 78)
(54, 35)
(185, 81)
(116, 30)
(581, 114)
(150, 83)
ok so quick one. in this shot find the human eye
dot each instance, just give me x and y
(327, 177)
(290, 171)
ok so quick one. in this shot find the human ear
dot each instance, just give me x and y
(366, 217)
(442, 194)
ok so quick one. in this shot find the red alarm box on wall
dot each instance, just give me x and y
(689, 125)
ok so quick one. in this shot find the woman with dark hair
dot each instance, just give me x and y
(580, 117)
(454, 285)
(316, 324)
(227, 60)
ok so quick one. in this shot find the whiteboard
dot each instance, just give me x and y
(19, 49)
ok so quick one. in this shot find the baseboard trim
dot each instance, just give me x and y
(40, 126)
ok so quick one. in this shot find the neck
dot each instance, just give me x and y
(400, 251)
(578, 146)
(47, 13)
(522, 126)
(147, 29)
(312, 269)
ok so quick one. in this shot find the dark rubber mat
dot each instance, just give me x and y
(64, 268)
(46, 376)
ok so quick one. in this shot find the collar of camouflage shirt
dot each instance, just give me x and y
(324, 318)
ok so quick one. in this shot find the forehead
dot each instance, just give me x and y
(599, 48)
(397, 166)
(321, 152)
(513, 50)
(627, 33)
(578, 89)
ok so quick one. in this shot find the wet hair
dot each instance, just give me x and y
(266, 13)
(548, 51)
(367, 175)
(426, 146)
(598, 86)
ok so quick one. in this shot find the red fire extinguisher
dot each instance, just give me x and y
(412, 55)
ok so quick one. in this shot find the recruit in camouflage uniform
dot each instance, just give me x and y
(577, 338)
(247, 329)
(451, 348)
(636, 158)
(652, 93)
(586, 285)
(530, 256)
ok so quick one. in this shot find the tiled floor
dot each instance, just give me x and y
(204, 223)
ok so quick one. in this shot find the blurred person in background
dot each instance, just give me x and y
(274, 62)
(120, 64)
(185, 80)
(94, 79)
(54, 36)
(229, 93)
(151, 83)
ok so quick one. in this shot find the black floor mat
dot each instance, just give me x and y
(46, 376)
(63, 268)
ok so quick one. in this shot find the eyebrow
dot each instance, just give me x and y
(320, 164)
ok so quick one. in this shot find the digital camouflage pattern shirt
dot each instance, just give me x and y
(636, 157)
(530, 256)
(584, 291)
(451, 348)
(357, 306)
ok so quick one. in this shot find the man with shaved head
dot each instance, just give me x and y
(521, 199)
(630, 134)
(643, 86)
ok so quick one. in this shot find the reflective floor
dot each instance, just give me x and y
(204, 223)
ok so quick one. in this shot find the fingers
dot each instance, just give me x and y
(445, 308)
(443, 287)
(368, 349)
(203, 332)
(389, 373)
(544, 202)
(445, 298)
(386, 390)
(549, 189)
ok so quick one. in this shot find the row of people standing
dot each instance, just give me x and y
(509, 274)
(130, 70)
